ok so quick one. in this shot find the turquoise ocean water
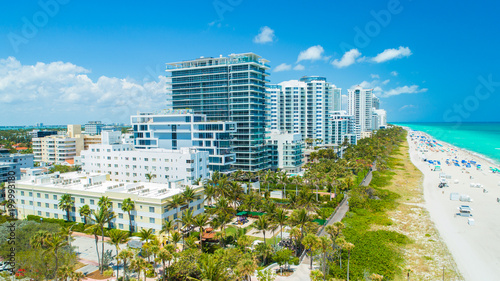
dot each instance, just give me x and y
(481, 138)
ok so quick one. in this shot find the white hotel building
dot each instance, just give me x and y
(40, 195)
(124, 163)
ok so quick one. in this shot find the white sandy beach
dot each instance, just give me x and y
(475, 248)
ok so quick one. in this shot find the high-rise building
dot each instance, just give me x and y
(360, 103)
(303, 106)
(176, 129)
(342, 127)
(229, 88)
(376, 102)
(41, 134)
(286, 151)
(379, 119)
(93, 127)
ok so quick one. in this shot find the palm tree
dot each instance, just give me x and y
(117, 237)
(310, 242)
(175, 203)
(164, 255)
(150, 176)
(101, 217)
(280, 218)
(188, 195)
(175, 238)
(348, 246)
(147, 234)
(77, 276)
(125, 256)
(65, 272)
(104, 202)
(128, 206)
(139, 264)
(324, 245)
(39, 238)
(210, 193)
(84, 212)
(53, 244)
(210, 269)
(167, 227)
(300, 218)
(187, 222)
(95, 230)
(200, 221)
(262, 224)
(66, 203)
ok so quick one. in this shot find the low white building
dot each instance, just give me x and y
(40, 195)
(379, 119)
(124, 163)
(285, 150)
(341, 126)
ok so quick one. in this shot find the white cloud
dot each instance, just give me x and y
(347, 59)
(408, 106)
(299, 67)
(376, 85)
(373, 76)
(386, 81)
(282, 67)
(413, 89)
(60, 92)
(312, 53)
(394, 73)
(390, 54)
(265, 35)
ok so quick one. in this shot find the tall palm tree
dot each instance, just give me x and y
(84, 212)
(65, 204)
(324, 246)
(300, 218)
(117, 237)
(147, 234)
(139, 264)
(167, 227)
(95, 230)
(175, 238)
(53, 244)
(125, 256)
(128, 206)
(210, 193)
(280, 218)
(175, 203)
(187, 222)
(210, 269)
(200, 221)
(102, 217)
(310, 242)
(262, 224)
(348, 246)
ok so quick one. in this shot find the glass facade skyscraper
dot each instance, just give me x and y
(229, 88)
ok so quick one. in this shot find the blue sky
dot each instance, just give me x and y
(89, 60)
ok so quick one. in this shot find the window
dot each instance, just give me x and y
(120, 216)
(119, 205)
(151, 209)
(120, 226)
(31, 194)
(151, 220)
(82, 200)
(38, 195)
(39, 213)
(91, 201)
(56, 216)
(132, 217)
(55, 206)
(22, 201)
(39, 204)
(46, 196)
(22, 193)
(47, 205)
(54, 197)
(31, 203)
(47, 214)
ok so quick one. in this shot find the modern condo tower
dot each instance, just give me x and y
(229, 88)
(361, 108)
(303, 106)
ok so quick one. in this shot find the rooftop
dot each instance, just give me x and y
(98, 183)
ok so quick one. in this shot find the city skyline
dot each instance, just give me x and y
(65, 62)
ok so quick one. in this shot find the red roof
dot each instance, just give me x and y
(21, 148)
(70, 161)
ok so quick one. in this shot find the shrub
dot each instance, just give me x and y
(108, 273)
